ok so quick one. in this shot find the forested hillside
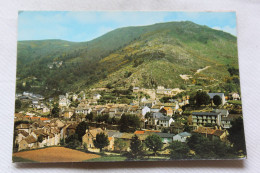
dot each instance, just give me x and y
(174, 54)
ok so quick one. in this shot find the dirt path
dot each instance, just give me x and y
(55, 154)
(185, 76)
(200, 70)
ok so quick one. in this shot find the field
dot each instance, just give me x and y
(107, 159)
(53, 154)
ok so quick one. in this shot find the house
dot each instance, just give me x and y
(83, 110)
(181, 137)
(64, 101)
(96, 96)
(145, 110)
(110, 146)
(68, 113)
(90, 136)
(167, 111)
(27, 143)
(45, 109)
(203, 118)
(220, 134)
(71, 129)
(212, 133)
(156, 108)
(57, 123)
(26, 93)
(221, 95)
(127, 139)
(152, 121)
(51, 100)
(149, 103)
(175, 106)
(18, 116)
(164, 121)
(160, 90)
(224, 112)
(165, 137)
(204, 131)
(24, 127)
(74, 97)
(143, 99)
(112, 112)
(136, 89)
(99, 111)
(235, 96)
(167, 91)
(40, 132)
(35, 102)
(226, 121)
(112, 137)
(21, 134)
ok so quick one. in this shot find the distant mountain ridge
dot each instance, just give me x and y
(145, 56)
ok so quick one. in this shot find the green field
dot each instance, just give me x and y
(235, 102)
(107, 159)
(20, 159)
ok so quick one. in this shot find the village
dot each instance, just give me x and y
(171, 114)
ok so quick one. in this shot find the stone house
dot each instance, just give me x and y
(90, 136)
(28, 143)
(167, 111)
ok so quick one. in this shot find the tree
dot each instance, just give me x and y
(18, 105)
(236, 135)
(101, 141)
(154, 142)
(105, 118)
(74, 104)
(217, 100)
(109, 86)
(98, 118)
(55, 111)
(90, 116)
(136, 147)
(202, 98)
(209, 149)
(81, 130)
(179, 150)
(120, 144)
(40, 139)
(129, 123)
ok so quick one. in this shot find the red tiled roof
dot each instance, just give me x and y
(205, 130)
(44, 119)
(139, 132)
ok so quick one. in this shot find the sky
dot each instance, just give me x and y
(85, 26)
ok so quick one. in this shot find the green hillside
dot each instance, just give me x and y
(145, 56)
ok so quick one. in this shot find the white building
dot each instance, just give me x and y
(181, 137)
(145, 110)
(221, 95)
(96, 96)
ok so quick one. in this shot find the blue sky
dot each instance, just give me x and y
(85, 26)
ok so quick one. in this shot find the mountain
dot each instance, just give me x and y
(173, 54)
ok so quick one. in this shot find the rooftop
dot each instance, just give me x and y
(205, 113)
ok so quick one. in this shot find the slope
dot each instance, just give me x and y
(145, 56)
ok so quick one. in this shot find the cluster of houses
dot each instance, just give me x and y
(57, 64)
(36, 100)
(166, 138)
(28, 96)
(40, 133)
(155, 116)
